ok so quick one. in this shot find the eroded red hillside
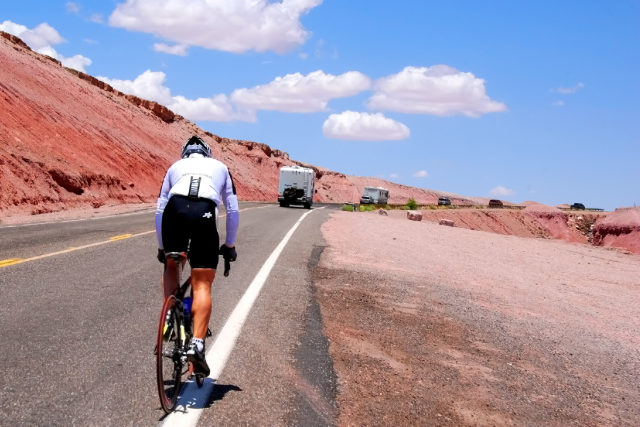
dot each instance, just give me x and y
(69, 140)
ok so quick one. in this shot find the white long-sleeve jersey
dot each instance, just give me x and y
(214, 183)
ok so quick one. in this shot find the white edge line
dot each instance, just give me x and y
(219, 352)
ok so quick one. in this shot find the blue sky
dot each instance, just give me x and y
(517, 100)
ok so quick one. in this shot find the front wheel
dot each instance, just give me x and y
(169, 363)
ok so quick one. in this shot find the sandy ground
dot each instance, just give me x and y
(437, 325)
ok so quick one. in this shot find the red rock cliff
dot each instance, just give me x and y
(68, 139)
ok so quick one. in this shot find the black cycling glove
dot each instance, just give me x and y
(228, 253)
(161, 257)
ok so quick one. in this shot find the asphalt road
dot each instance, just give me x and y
(79, 311)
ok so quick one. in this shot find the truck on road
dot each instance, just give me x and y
(296, 186)
(374, 195)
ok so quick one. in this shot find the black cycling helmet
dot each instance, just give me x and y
(195, 145)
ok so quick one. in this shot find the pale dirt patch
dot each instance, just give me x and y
(435, 325)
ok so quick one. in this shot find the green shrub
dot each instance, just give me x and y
(348, 208)
(366, 208)
(411, 204)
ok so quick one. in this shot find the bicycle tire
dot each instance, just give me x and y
(199, 380)
(169, 364)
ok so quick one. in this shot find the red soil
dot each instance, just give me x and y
(620, 229)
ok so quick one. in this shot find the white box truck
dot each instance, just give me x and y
(374, 195)
(296, 186)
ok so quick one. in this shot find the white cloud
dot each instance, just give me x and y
(178, 49)
(150, 85)
(420, 174)
(41, 39)
(438, 90)
(570, 90)
(77, 62)
(394, 176)
(215, 109)
(42, 36)
(72, 7)
(324, 51)
(559, 103)
(97, 18)
(352, 125)
(501, 191)
(228, 25)
(297, 93)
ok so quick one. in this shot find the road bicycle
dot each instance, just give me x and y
(175, 330)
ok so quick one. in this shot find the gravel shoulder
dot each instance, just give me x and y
(437, 325)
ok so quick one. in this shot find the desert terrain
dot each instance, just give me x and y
(71, 143)
(69, 140)
(523, 315)
(437, 325)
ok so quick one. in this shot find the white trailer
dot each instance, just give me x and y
(374, 195)
(296, 186)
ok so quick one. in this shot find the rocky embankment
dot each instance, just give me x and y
(619, 229)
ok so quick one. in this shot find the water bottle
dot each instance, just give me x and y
(186, 303)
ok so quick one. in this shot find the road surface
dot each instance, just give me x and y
(80, 301)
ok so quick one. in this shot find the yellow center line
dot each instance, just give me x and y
(120, 237)
(10, 261)
(13, 261)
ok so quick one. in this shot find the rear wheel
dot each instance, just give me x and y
(169, 365)
(200, 379)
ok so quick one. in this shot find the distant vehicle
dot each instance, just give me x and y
(577, 206)
(296, 186)
(444, 201)
(374, 195)
(494, 203)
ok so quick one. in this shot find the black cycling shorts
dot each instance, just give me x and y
(189, 225)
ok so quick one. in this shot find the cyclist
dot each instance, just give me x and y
(192, 190)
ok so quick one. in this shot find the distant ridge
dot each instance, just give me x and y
(70, 140)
